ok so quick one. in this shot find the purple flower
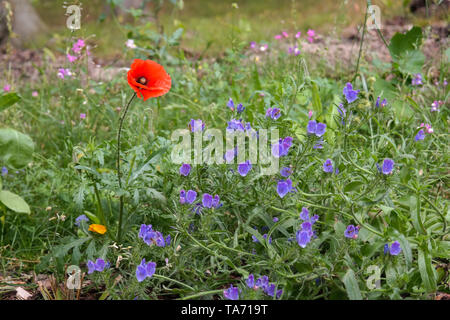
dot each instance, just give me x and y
(196, 125)
(328, 166)
(294, 50)
(232, 293)
(230, 154)
(316, 128)
(351, 232)
(303, 238)
(279, 293)
(240, 108)
(62, 73)
(265, 237)
(185, 169)
(71, 58)
(435, 106)
(230, 104)
(7, 88)
(298, 34)
(262, 282)
(388, 166)
(284, 187)
(91, 266)
(235, 124)
(167, 240)
(420, 135)
(207, 200)
(270, 290)
(252, 45)
(342, 112)
(145, 270)
(188, 197)
(383, 103)
(273, 113)
(82, 116)
(386, 248)
(144, 230)
(395, 248)
(281, 148)
(250, 281)
(99, 265)
(304, 215)
(216, 202)
(350, 94)
(275, 219)
(417, 80)
(191, 196)
(286, 171)
(244, 168)
(79, 219)
(151, 236)
(77, 46)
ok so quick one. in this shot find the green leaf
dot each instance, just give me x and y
(316, 103)
(404, 51)
(406, 249)
(7, 100)
(401, 43)
(351, 285)
(16, 149)
(414, 209)
(426, 270)
(353, 186)
(14, 202)
(411, 62)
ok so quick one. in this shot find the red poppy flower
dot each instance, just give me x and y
(148, 79)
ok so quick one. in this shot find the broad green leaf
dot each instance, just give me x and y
(7, 100)
(16, 149)
(351, 285)
(411, 62)
(414, 209)
(353, 186)
(406, 249)
(14, 202)
(401, 43)
(426, 270)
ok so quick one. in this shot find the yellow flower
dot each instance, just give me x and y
(97, 228)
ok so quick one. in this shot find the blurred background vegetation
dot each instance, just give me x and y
(207, 23)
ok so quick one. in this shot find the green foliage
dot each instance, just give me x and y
(7, 100)
(14, 202)
(405, 53)
(16, 148)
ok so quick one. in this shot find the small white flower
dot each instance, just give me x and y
(130, 44)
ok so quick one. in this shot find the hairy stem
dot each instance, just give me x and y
(119, 175)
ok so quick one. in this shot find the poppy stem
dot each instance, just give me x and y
(119, 175)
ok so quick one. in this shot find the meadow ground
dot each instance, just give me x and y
(357, 207)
